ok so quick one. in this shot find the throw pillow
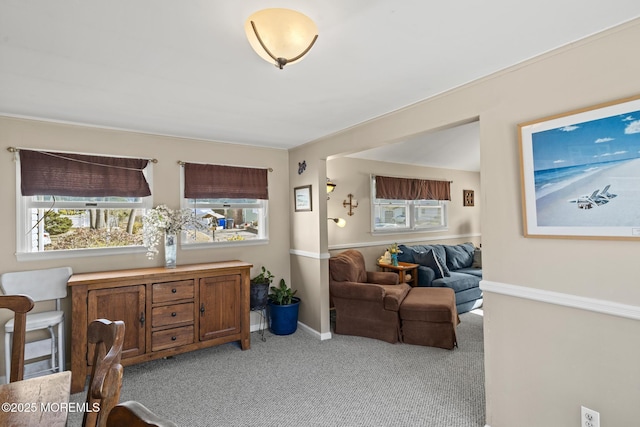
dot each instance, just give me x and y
(477, 258)
(459, 256)
(406, 254)
(434, 261)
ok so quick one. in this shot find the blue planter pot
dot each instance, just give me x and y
(283, 319)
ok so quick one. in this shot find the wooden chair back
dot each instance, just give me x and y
(134, 414)
(106, 373)
(20, 305)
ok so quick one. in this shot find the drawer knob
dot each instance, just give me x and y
(174, 290)
(173, 338)
(174, 314)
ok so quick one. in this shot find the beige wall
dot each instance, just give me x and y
(308, 237)
(352, 176)
(543, 359)
(166, 190)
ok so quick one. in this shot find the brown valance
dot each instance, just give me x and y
(63, 174)
(217, 181)
(412, 189)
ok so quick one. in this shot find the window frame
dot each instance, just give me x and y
(411, 214)
(24, 204)
(186, 203)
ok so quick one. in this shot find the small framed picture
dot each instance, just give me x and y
(302, 198)
(467, 197)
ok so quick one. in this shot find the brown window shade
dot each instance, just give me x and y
(412, 189)
(62, 174)
(216, 181)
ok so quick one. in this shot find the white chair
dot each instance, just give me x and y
(41, 285)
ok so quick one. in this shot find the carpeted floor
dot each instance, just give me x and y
(297, 380)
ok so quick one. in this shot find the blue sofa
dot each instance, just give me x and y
(458, 267)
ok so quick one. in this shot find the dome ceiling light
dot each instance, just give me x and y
(281, 36)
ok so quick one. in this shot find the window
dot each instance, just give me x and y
(398, 214)
(229, 220)
(77, 202)
(232, 200)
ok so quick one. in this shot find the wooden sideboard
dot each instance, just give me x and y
(165, 311)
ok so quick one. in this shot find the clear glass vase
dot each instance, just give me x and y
(170, 246)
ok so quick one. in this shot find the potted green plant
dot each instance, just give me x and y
(259, 289)
(283, 309)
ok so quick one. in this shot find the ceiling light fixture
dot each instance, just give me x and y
(340, 222)
(280, 36)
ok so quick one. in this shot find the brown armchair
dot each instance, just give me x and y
(366, 302)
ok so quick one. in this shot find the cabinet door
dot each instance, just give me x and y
(126, 304)
(219, 306)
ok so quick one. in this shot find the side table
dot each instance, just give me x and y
(402, 268)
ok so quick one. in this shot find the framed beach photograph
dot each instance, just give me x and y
(302, 197)
(581, 173)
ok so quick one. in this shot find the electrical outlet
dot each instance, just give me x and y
(589, 417)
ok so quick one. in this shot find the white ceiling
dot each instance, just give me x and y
(185, 68)
(454, 148)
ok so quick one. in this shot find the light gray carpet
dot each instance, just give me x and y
(297, 380)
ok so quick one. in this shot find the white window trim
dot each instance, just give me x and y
(22, 204)
(411, 206)
(184, 204)
(209, 245)
(79, 253)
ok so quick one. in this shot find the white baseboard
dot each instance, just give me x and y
(566, 300)
(255, 328)
(326, 336)
(322, 337)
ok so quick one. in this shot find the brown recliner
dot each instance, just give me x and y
(366, 302)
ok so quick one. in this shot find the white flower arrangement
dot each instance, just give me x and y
(161, 220)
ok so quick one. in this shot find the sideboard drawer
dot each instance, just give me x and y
(170, 338)
(172, 291)
(172, 314)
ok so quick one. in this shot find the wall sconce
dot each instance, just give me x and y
(330, 186)
(340, 222)
(352, 203)
(280, 36)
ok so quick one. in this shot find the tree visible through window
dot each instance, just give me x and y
(92, 228)
(58, 213)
